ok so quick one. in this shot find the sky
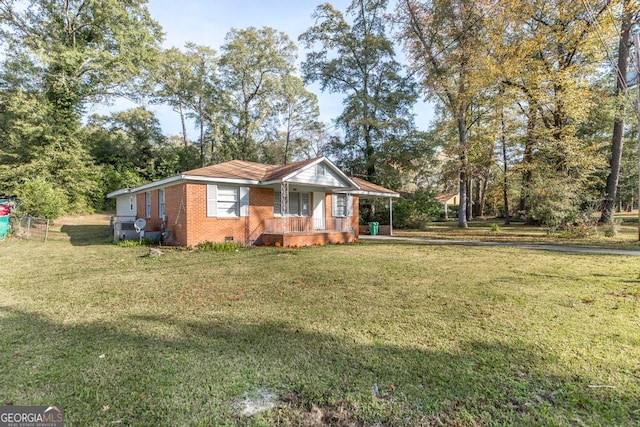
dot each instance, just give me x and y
(206, 22)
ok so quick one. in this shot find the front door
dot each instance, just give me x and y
(318, 211)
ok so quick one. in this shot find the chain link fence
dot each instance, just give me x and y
(29, 227)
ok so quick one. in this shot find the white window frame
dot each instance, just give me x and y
(215, 202)
(299, 204)
(228, 202)
(340, 208)
(147, 204)
(161, 204)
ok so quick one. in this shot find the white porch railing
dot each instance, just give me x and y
(301, 224)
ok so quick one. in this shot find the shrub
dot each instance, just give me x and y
(415, 211)
(135, 242)
(40, 199)
(495, 227)
(219, 247)
(611, 229)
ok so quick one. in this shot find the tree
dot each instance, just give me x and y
(61, 55)
(30, 149)
(618, 125)
(443, 40)
(253, 65)
(553, 55)
(300, 116)
(188, 81)
(358, 60)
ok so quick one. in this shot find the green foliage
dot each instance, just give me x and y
(219, 247)
(62, 55)
(253, 66)
(495, 228)
(39, 198)
(357, 60)
(612, 228)
(412, 212)
(135, 242)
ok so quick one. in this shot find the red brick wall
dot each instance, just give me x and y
(260, 208)
(176, 211)
(186, 211)
(153, 223)
(355, 219)
(201, 228)
(308, 239)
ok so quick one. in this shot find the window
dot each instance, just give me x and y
(299, 204)
(340, 205)
(161, 203)
(147, 204)
(227, 202)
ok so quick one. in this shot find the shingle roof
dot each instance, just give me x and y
(239, 169)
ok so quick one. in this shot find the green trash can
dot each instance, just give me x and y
(373, 228)
(4, 225)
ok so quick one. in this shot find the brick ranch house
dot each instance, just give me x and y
(298, 204)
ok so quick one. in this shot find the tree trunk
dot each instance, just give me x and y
(527, 161)
(505, 182)
(184, 126)
(618, 125)
(483, 197)
(469, 198)
(462, 139)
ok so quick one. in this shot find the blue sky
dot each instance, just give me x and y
(206, 22)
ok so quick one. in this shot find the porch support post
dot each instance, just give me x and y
(390, 216)
(284, 203)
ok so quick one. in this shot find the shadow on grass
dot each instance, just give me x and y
(87, 235)
(155, 370)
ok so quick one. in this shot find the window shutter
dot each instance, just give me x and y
(277, 203)
(212, 200)
(244, 201)
(334, 205)
(349, 205)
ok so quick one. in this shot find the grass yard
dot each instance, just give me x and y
(626, 233)
(448, 335)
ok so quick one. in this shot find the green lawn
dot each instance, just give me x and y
(626, 236)
(450, 335)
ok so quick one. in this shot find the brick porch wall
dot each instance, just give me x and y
(307, 239)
